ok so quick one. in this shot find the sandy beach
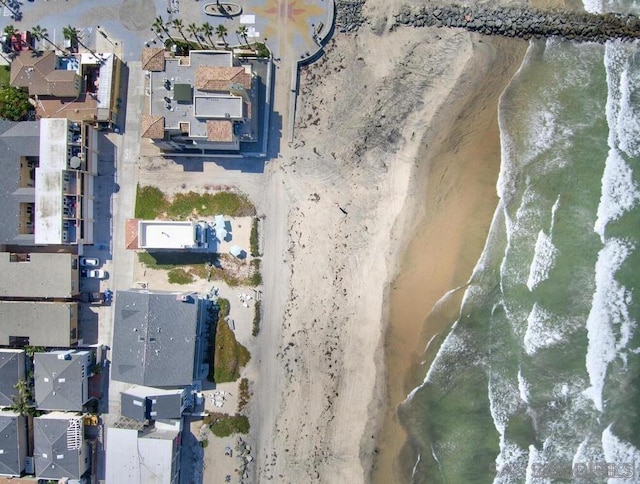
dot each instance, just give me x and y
(373, 113)
(454, 191)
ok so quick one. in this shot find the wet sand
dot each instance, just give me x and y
(454, 200)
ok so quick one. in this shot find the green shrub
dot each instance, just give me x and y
(229, 425)
(256, 277)
(229, 356)
(262, 49)
(150, 202)
(244, 395)
(254, 241)
(179, 276)
(207, 204)
(223, 308)
(256, 319)
(14, 103)
(204, 443)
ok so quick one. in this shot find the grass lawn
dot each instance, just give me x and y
(4, 75)
(179, 276)
(207, 204)
(229, 356)
(150, 203)
(230, 424)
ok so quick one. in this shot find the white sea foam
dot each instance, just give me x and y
(608, 317)
(415, 467)
(535, 458)
(593, 6)
(543, 330)
(588, 451)
(544, 257)
(620, 453)
(451, 343)
(628, 125)
(511, 463)
(554, 209)
(619, 192)
(523, 387)
(623, 82)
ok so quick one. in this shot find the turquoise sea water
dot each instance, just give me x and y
(539, 378)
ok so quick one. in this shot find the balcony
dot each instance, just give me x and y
(69, 207)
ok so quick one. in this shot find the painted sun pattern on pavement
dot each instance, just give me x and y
(290, 21)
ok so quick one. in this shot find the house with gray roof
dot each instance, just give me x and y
(154, 338)
(35, 275)
(145, 403)
(12, 370)
(19, 158)
(62, 379)
(41, 323)
(13, 444)
(60, 450)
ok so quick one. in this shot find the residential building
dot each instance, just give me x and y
(60, 450)
(149, 455)
(168, 234)
(38, 275)
(154, 338)
(38, 323)
(204, 101)
(79, 87)
(62, 379)
(64, 182)
(12, 370)
(13, 444)
(145, 403)
(46, 189)
(19, 158)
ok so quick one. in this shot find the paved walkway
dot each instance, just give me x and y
(287, 25)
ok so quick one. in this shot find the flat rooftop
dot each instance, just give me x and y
(166, 234)
(43, 275)
(218, 106)
(44, 323)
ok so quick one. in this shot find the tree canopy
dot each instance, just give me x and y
(14, 103)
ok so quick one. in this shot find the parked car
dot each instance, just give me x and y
(93, 273)
(89, 262)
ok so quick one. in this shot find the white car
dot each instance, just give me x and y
(94, 273)
(89, 262)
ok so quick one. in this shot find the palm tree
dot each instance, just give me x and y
(221, 32)
(194, 30)
(177, 24)
(159, 26)
(242, 32)
(40, 33)
(15, 14)
(9, 30)
(71, 33)
(207, 30)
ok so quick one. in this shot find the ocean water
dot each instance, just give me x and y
(538, 380)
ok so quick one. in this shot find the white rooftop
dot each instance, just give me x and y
(218, 107)
(48, 219)
(159, 234)
(53, 143)
(146, 459)
(53, 159)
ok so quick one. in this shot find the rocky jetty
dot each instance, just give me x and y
(349, 15)
(524, 23)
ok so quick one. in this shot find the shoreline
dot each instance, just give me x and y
(453, 196)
